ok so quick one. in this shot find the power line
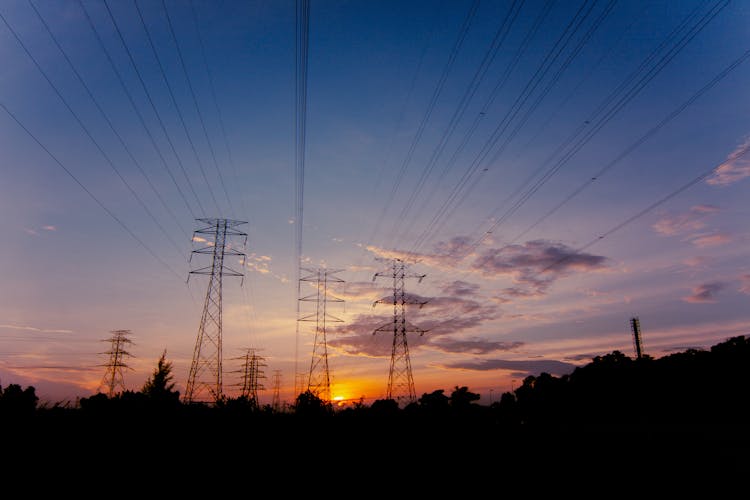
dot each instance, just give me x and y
(302, 34)
(153, 106)
(176, 106)
(135, 108)
(430, 108)
(98, 202)
(119, 137)
(197, 107)
(646, 136)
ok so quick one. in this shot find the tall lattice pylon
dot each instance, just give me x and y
(205, 378)
(113, 377)
(251, 374)
(318, 379)
(400, 378)
(276, 398)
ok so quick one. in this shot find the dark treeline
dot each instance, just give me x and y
(689, 409)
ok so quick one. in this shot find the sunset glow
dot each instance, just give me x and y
(548, 170)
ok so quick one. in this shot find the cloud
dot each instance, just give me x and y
(460, 288)
(698, 261)
(534, 266)
(709, 240)
(361, 290)
(199, 239)
(745, 284)
(34, 329)
(521, 367)
(30, 231)
(49, 228)
(446, 254)
(259, 264)
(441, 316)
(474, 346)
(734, 169)
(705, 293)
(693, 220)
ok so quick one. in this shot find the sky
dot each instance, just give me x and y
(551, 169)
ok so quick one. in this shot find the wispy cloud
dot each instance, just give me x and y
(745, 284)
(705, 293)
(521, 367)
(534, 266)
(693, 220)
(34, 329)
(361, 290)
(698, 261)
(460, 288)
(260, 264)
(735, 168)
(445, 254)
(709, 240)
(49, 228)
(473, 346)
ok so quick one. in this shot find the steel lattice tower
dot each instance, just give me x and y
(205, 377)
(318, 379)
(252, 374)
(113, 377)
(276, 400)
(635, 325)
(400, 379)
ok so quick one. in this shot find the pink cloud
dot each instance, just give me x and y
(534, 266)
(49, 228)
(705, 293)
(709, 240)
(693, 220)
(696, 261)
(734, 169)
(745, 284)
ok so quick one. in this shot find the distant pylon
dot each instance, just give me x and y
(205, 377)
(635, 326)
(318, 379)
(113, 377)
(276, 399)
(400, 379)
(252, 374)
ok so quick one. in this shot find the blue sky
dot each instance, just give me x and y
(553, 168)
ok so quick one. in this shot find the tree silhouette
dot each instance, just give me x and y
(461, 398)
(309, 404)
(159, 388)
(17, 402)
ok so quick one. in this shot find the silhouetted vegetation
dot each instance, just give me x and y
(672, 406)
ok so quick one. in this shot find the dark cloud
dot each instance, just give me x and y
(534, 266)
(460, 288)
(705, 293)
(582, 357)
(455, 247)
(522, 367)
(440, 316)
(475, 346)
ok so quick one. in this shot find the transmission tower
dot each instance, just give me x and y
(205, 377)
(113, 377)
(318, 379)
(252, 374)
(276, 400)
(635, 326)
(400, 379)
